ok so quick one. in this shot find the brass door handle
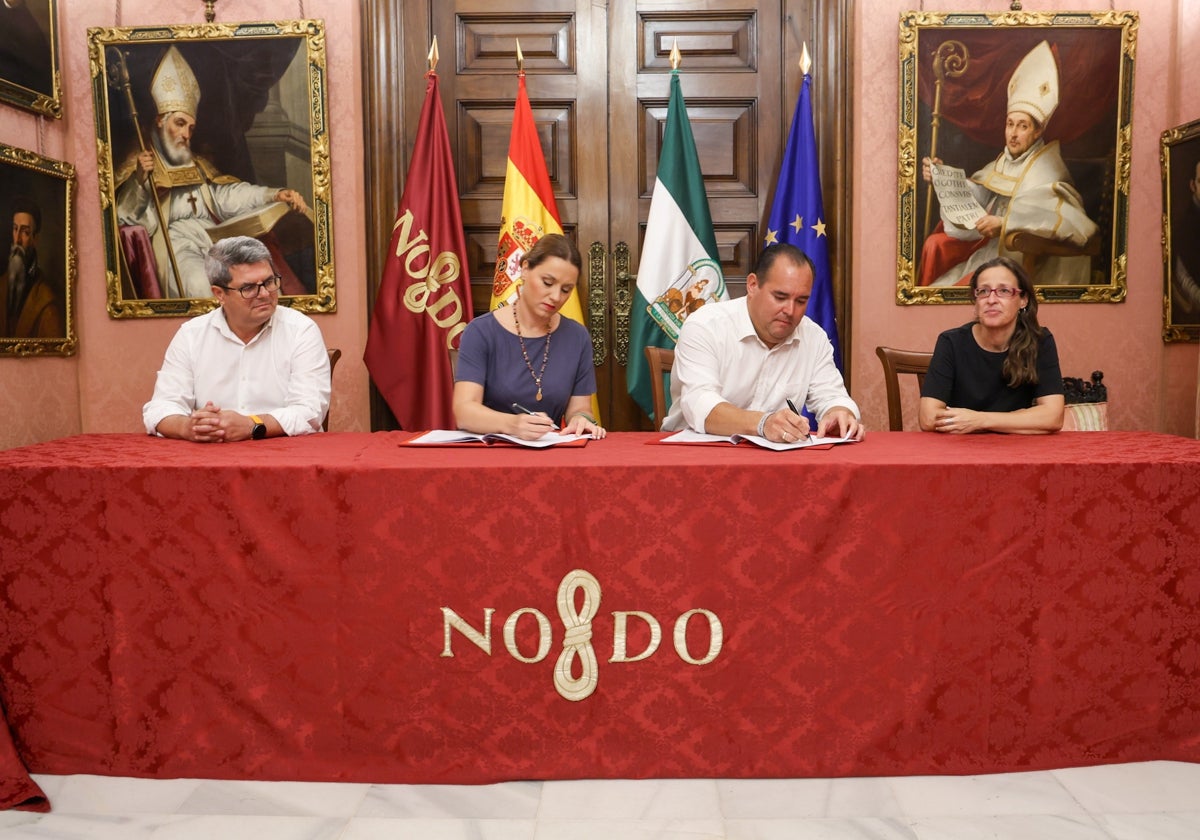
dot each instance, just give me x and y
(622, 303)
(598, 303)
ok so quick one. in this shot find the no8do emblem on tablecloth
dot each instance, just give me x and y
(577, 636)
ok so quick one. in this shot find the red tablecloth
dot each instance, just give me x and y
(17, 790)
(916, 603)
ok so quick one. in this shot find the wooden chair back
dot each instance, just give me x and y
(896, 362)
(660, 360)
(334, 355)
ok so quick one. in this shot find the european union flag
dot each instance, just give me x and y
(798, 215)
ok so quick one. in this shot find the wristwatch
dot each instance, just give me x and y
(260, 428)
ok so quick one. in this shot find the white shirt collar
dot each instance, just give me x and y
(746, 327)
(222, 325)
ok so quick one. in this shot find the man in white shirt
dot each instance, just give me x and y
(248, 370)
(738, 362)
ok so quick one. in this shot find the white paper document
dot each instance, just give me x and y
(688, 436)
(954, 194)
(441, 437)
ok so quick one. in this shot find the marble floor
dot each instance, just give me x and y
(1158, 800)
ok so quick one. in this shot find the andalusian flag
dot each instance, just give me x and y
(798, 214)
(679, 269)
(528, 211)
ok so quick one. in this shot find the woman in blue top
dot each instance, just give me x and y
(1000, 372)
(529, 355)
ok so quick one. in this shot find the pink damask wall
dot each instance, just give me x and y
(103, 387)
(1151, 385)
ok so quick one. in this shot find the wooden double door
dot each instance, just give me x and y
(598, 76)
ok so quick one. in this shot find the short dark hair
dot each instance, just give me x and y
(231, 251)
(781, 250)
(25, 204)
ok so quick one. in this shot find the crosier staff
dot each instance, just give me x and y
(949, 62)
(118, 77)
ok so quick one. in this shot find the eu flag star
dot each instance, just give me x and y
(798, 197)
(771, 238)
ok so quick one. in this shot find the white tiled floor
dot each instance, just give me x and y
(1157, 800)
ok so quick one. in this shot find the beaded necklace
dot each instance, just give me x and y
(537, 377)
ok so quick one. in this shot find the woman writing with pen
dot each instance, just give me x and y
(524, 369)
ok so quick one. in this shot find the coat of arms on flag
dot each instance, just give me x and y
(680, 270)
(515, 240)
(699, 283)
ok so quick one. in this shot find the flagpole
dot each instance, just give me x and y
(797, 209)
(679, 268)
(423, 303)
(528, 210)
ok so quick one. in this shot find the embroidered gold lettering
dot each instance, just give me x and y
(620, 635)
(576, 673)
(715, 640)
(428, 274)
(510, 635)
(483, 640)
(577, 641)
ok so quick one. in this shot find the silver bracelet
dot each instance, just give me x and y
(762, 424)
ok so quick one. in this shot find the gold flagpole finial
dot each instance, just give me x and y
(805, 60)
(433, 55)
(520, 58)
(676, 56)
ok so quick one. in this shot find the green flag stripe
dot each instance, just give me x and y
(679, 170)
(679, 234)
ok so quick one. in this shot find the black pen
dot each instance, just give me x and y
(524, 410)
(792, 406)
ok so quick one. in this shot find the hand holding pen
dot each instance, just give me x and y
(791, 405)
(532, 424)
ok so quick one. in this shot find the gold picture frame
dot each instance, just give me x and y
(1061, 204)
(37, 280)
(234, 116)
(29, 74)
(1180, 157)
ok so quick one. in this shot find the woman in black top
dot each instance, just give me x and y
(1000, 372)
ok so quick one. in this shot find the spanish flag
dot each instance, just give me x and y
(528, 212)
